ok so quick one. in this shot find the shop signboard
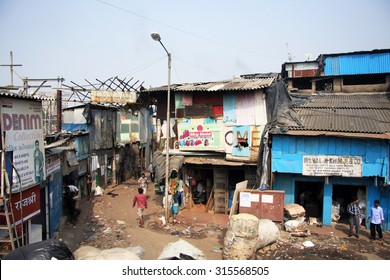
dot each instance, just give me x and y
(201, 137)
(21, 121)
(110, 96)
(324, 165)
(26, 205)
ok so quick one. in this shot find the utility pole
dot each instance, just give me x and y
(59, 110)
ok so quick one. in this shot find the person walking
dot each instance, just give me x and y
(89, 187)
(143, 182)
(142, 203)
(151, 172)
(180, 193)
(354, 217)
(377, 219)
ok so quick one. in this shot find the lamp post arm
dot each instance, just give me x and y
(164, 48)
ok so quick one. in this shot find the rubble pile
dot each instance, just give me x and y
(296, 224)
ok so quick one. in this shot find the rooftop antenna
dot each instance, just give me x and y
(289, 55)
(11, 68)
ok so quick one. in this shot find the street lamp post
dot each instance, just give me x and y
(157, 37)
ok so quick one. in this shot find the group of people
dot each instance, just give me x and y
(376, 219)
(175, 195)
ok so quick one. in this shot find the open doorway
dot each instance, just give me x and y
(234, 176)
(310, 196)
(201, 185)
(342, 196)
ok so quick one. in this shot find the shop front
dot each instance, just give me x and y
(212, 181)
(324, 174)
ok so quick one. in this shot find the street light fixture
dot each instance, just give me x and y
(156, 37)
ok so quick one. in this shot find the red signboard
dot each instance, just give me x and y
(27, 205)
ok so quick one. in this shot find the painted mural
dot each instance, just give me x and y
(241, 144)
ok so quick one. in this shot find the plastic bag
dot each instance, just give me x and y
(92, 253)
(44, 250)
(181, 250)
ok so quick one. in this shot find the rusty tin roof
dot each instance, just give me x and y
(347, 113)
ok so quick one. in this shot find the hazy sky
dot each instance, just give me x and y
(209, 40)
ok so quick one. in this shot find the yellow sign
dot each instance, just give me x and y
(108, 96)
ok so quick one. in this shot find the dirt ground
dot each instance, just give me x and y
(109, 221)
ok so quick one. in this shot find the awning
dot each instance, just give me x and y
(57, 143)
(214, 161)
(58, 150)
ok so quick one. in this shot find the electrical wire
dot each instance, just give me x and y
(199, 67)
(185, 31)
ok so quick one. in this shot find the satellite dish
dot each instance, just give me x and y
(308, 56)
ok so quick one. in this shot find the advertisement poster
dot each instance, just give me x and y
(241, 144)
(22, 124)
(205, 137)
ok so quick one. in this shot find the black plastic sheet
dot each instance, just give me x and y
(44, 250)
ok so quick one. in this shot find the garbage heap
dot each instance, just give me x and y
(296, 224)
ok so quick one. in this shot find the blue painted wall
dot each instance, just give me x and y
(288, 151)
(287, 154)
(71, 127)
(55, 202)
(355, 64)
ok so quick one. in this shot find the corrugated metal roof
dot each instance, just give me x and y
(22, 96)
(227, 85)
(355, 52)
(362, 100)
(357, 64)
(362, 113)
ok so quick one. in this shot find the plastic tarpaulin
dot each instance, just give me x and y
(280, 105)
(175, 163)
(44, 250)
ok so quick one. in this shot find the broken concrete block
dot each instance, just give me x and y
(293, 211)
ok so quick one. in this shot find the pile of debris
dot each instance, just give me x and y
(179, 250)
(296, 224)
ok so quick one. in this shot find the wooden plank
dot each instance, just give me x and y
(210, 198)
(226, 202)
(190, 202)
(239, 187)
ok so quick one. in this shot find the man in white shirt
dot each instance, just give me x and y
(377, 218)
(151, 171)
(143, 183)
